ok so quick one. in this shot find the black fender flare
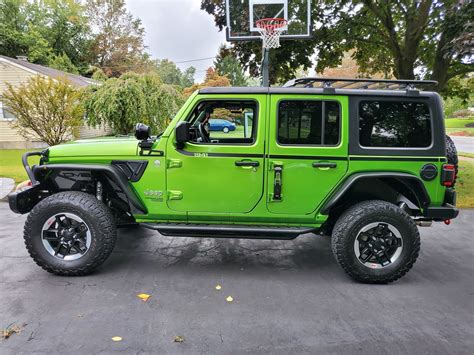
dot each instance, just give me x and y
(112, 172)
(412, 182)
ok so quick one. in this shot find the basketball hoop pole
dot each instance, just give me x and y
(265, 67)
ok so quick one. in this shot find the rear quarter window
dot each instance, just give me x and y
(394, 124)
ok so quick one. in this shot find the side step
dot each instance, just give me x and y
(227, 230)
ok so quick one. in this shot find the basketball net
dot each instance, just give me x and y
(270, 30)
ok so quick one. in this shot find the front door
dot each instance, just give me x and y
(307, 151)
(220, 170)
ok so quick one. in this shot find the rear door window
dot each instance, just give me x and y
(394, 124)
(309, 122)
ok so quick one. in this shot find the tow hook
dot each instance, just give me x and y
(447, 222)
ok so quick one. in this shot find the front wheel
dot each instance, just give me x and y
(70, 233)
(225, 130)
(375, 242)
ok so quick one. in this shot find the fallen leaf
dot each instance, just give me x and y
(229, 299)
(116, 338)
(10, 330)
(144, 296)
(178, 339)
(218, 287)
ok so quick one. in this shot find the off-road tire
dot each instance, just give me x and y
(452, 154)
(353, 220)
(94, 213)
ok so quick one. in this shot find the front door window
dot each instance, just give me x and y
(223, 122)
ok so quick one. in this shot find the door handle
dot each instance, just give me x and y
(247, 163)
(324, 165)
(277, 182)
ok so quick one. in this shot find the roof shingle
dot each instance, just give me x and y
(75, 80)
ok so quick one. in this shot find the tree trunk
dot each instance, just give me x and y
(441, 65)
(404, 68)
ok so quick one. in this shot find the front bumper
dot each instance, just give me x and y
(24, 201)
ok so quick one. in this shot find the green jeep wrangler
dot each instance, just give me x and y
(363, 160)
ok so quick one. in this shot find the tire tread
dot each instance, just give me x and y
(348, 218)
(93, 206)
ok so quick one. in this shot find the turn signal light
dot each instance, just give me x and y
(448, 175)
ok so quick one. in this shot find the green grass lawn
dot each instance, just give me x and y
(465, 184)
(468, 155)
(457, 127)
(457, 122)
(11, 166)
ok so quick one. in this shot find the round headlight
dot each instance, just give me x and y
(142, 131)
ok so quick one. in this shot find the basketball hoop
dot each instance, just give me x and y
(270, 30)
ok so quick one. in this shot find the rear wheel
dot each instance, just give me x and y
(70, 233)
(375, 242)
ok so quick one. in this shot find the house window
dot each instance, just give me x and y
(5, 114)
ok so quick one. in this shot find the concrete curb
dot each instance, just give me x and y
(7, 185)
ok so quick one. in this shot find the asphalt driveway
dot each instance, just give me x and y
(288, 297)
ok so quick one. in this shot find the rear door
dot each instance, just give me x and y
(307, 150)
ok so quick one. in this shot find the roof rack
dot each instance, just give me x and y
(330, 84)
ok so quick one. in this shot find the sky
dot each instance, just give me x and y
(178, 30)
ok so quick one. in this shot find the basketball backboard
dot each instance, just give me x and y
(242, 16)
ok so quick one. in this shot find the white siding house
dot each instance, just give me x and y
(17, 72)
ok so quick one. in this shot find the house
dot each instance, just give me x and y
(18, 71)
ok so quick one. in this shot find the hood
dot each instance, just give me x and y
(106, 146)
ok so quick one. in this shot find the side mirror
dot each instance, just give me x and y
(182, 133)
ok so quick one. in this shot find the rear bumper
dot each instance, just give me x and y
(447, 211)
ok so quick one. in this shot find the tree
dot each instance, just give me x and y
(172, 75)
(49, 108)
(212, 79)
(122, 102)
(227, 65)
(118, 44)
(43, 30)
(348, 68)
(62, 62)
(18, 36)
(399, 37)
(65, 26)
